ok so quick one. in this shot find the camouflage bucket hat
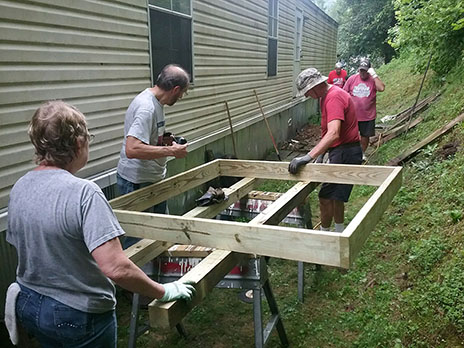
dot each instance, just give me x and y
(308, 79)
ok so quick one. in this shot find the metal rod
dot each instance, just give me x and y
(133, 326)
(418, 94)
(231, 129)
(267, 125)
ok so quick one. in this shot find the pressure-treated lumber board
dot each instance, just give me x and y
(329, 173)
(264, 196)
(363, 223)
(146, 197)
(288, 243)
(234, 193)
(205, 275)
(279, 209)
(170, 314)
(439, 132)
(182, 250)
(146, 249)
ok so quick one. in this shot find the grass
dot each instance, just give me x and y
(406, 287)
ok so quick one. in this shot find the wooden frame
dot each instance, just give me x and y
(256, 237)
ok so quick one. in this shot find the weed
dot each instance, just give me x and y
(426, 253)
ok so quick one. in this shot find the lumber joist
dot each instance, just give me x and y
(148, 249)
(293, 243)
(210, 270)
(281, 207)
(314, 172)
(217, 264)
(264, 196)
(149, 196)
(182, 250)
(432, 137)
(205, 276)
(363, 223)
(258, 237)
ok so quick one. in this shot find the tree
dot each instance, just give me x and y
(430, 26)
(363, 30)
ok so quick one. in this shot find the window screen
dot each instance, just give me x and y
(171, 40)
(272, 39)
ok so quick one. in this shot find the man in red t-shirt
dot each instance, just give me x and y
(337, 77)
(340, 136)
(363, 89)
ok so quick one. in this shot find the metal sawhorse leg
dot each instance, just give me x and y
(262, 335)
(135, 331)
(257, 280)
(308, 224)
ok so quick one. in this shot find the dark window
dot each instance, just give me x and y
(171, 37)
(271, 57)
(272, 38)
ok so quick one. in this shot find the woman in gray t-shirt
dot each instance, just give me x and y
(66, 237)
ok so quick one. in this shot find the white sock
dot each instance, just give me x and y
(324, 228)
(10, 312)
(339, 227)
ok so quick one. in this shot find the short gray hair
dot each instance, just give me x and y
(54, 130)
(171, 76)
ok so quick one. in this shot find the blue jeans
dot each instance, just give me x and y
(124, 187)
(55, 324)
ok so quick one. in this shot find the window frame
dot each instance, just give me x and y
(174, 13)
(271, 19)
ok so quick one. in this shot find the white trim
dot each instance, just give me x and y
(175, 13)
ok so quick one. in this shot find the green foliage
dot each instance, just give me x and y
(456, 215)
(275, 186)
(427, 27)
(427, 253)
(363, 29)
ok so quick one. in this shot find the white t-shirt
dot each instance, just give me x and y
(144, 121)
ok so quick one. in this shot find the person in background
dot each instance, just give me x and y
(340, 137)
(363, 88)
(145, 148)
(337, 76)
(66, 237)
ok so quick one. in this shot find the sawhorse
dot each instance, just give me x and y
(256, 279)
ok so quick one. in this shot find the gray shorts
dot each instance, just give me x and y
(366, 128)
(343, 154)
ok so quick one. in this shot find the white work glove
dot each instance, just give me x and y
(176, 291)
(298, 162)
(372, 72)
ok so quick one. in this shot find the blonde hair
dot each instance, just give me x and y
(54, 131)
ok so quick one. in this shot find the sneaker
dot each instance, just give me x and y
(364, 158)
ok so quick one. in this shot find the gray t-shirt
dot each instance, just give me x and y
(144, 121)
(55, 221)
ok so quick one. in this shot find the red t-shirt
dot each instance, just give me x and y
(337, 80)
(338, 105)
(364, 96)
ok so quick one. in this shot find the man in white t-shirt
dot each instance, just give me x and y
(144, 150)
